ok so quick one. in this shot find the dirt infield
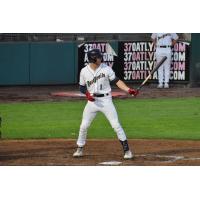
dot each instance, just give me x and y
(59, 152)
(43, 93)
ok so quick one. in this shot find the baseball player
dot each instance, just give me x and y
(163, 43)
(94, 82)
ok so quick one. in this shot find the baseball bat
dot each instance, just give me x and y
(151, 73)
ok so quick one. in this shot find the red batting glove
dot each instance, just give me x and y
(133, 92)
(89, 96)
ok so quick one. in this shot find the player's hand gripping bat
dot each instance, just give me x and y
(152, 72)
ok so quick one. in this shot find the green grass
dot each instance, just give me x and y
(148, 118)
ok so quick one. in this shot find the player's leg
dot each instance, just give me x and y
(167, 67)
(89, 114)
(111, 114)
(160, 70)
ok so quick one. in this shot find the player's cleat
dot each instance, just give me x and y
(160, 86)
(79, 152)
(128, 155)
(166, 85)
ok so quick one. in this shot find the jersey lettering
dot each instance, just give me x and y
(94, 80)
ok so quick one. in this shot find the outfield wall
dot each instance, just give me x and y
(14, 63)
(51, 63)
(37, 63)
(195, 60)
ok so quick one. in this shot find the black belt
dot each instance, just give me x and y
(100, 95)
(165, 46)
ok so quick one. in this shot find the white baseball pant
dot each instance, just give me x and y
(164, 69)
(104, 105)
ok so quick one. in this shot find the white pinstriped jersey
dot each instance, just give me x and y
(97, 81)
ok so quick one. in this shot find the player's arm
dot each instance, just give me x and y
(83, 89)
(174, 42)
(174, 39)
(154, 39)
(120, 84)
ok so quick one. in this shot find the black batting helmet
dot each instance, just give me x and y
(93, 55)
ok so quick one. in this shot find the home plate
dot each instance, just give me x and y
(112, 163)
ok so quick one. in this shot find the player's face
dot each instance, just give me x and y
(98, 62)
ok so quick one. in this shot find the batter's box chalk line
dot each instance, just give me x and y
(168, 159)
